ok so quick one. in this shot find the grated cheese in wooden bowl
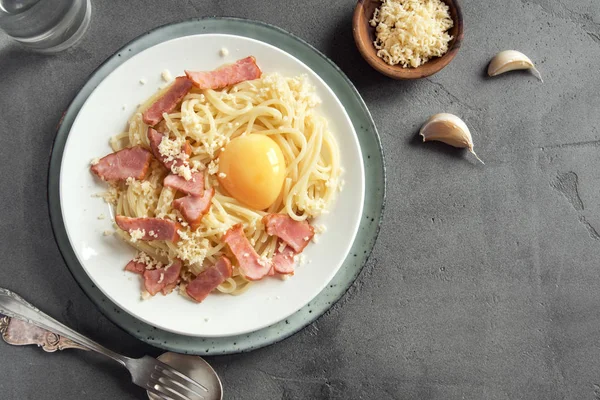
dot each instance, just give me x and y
(411, 32)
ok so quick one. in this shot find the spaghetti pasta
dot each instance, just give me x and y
(282, 108)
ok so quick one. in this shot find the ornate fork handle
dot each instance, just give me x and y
(20, 333)
(14, 306)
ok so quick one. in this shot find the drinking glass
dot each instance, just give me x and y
(45, 25)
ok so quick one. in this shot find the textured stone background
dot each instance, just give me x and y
(484, 281)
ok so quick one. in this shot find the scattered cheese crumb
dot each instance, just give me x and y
(143, 81)
(145, 295)
(222, 175)
(95, 161)
(110, 196)
(213, 167)
(136, 234)
(166, 75)
(206, 319)
(101, 216)
(162, 278)
(281, 247)
(223, 52)
(107, 233)
(320, 228)
(145, 259)
(123, 107)
(263, 260)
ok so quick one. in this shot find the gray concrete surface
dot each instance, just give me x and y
(485, 279)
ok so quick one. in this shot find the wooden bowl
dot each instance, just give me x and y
(364, 35)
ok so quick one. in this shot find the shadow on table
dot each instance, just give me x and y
(416, 140)
(16, 58)
(342, 50)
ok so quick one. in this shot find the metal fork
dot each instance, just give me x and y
(146, 372)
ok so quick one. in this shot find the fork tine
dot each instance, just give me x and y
(173, 374)
(152, 390)
(165, 391)
(165, 379)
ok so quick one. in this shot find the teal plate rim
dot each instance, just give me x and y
(375, 187)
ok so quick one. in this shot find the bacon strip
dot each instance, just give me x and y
(193, 208)
(162, 279)
(135, 267)
(250, 263)
(155, 137)
(209, 279)
(168, 101)
(194, 186)
(296, 234)
(153, 228)
(227, 75)
(131, 162)
(283, 261)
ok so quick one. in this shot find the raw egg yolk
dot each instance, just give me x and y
(252, 170)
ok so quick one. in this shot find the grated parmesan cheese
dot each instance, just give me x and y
(281, 246)
(111, 196)
(136, 234)
(320, 228)
(410, 32)
(223, 52)
(213, 167)
(166, 75)
(171, 150)
(101, 216)
(142, 81)
(145, 259)
(95, 161)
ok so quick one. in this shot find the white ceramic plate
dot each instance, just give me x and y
(103, 257)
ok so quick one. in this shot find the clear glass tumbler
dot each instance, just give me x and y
(45, 25)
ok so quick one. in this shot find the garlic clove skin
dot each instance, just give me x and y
(449, 129)
(511, 60)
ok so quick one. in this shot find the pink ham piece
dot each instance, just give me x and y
(193, 208)
(227, 75)
(131, 162)
(162, 229)
(295, 234)
(155, 137)
(135, 267)
(209, 279)
(162, 279)
(283, 261)
(168, 101)
(194, 186)
(250, 263)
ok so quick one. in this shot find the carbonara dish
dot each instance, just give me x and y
(218, 178)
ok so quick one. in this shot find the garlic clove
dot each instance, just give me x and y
(449, 129)
(511, 60)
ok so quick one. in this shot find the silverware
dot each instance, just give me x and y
(149, 373)
(21, 333)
